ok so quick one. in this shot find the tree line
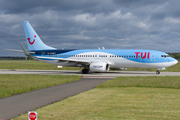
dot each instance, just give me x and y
(14, 58)
(175, 55)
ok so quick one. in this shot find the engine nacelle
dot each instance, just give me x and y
(99, 67)
(118, 68)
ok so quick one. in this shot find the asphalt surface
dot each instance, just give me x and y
(16, 105)
(73, 72)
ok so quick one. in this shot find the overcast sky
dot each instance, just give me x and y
(89, 24)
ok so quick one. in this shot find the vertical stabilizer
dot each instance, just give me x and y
(34, 42)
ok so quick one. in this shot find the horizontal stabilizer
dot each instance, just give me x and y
(25, 51)
(21, 51)
(15, 50)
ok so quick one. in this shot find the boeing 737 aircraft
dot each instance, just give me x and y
(95, 60)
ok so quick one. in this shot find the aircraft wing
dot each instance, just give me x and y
(84, 62)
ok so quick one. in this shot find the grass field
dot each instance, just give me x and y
(16, 84)
(150, 81)
(31, 64)
(128, 98)
(38, 65)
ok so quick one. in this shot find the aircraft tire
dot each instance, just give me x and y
(157, 72)
(85, 71)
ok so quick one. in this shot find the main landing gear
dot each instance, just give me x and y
(157, 72)
(85, 71)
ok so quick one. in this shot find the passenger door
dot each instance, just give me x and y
(153, 55)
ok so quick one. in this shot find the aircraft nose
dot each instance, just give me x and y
(176, 61)
(172, 61)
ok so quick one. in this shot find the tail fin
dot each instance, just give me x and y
(34, 42)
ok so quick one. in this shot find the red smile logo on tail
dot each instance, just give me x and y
(30, 41)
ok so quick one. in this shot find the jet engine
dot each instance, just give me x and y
(99, 67)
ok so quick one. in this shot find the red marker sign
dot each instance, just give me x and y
(32, 115)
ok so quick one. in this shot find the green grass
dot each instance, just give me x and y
(122, 98)
(16, 84)
(115, 104)
(150, 81)
(31, 64)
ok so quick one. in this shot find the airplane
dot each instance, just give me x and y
(94, 60)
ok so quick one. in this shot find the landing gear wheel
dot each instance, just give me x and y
(157, 72)
(85, 71)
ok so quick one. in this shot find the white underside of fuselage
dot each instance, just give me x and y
(114, 63)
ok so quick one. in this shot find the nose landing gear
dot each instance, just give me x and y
(158, 72)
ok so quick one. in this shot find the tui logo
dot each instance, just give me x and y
(142, 56)
(31, 43)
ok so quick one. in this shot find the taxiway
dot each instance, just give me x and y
(73, 72)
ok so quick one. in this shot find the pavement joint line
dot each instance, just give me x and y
(99, 77)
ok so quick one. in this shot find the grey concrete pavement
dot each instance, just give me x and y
(106, 74)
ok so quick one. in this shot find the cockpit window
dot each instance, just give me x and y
(164, 56)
